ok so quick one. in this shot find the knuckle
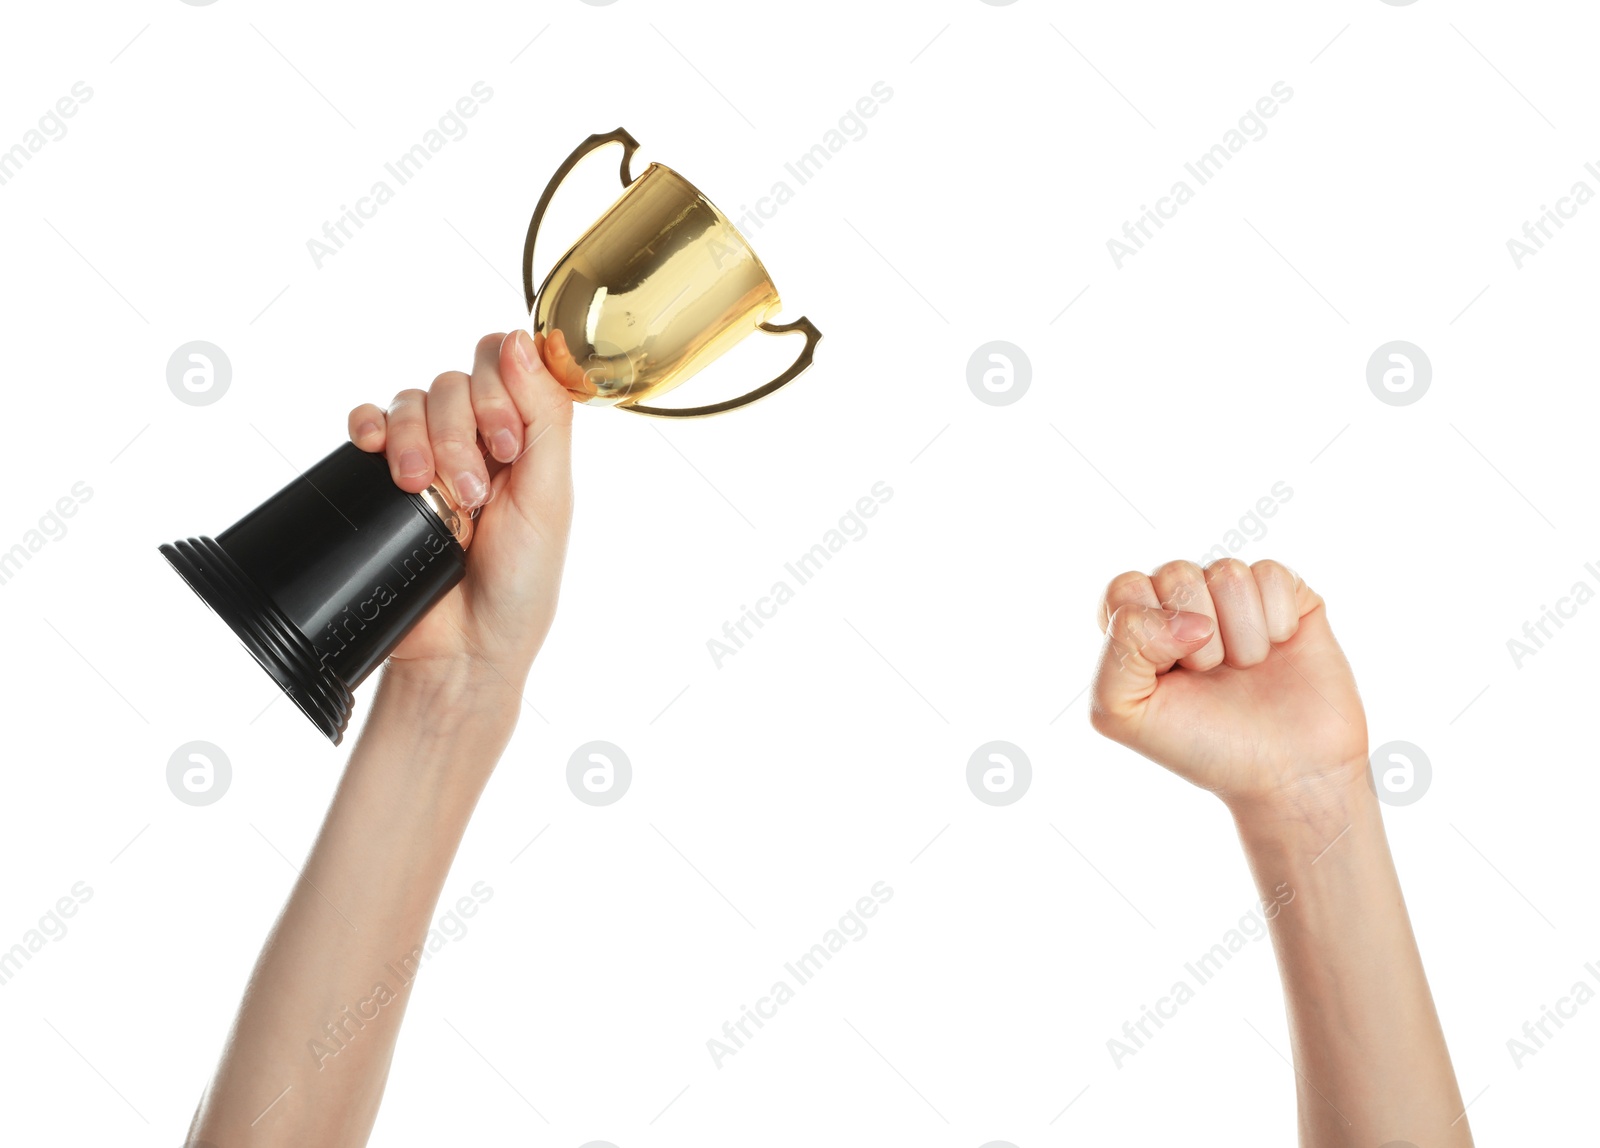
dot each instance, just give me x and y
(1122, 618)
(553, 406)
(448, 380)
(1125, 586)
(494, 409)
(1228, 570)
(489, 345)
(408, 403)
(1131, 629)
(1269, 569)
(1182, 585)
(1179, 570)
(452, 441)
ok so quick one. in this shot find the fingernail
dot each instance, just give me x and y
(412, 464)
(1188, 627)
(366, 429)
(469, 489)
(504, 445)
(524, 349)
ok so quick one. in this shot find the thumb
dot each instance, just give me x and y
(540, 481)
(1140, 642)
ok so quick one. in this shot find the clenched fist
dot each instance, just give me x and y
(1230, 677)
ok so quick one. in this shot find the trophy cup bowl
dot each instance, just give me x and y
(323, 579)
(659, 286)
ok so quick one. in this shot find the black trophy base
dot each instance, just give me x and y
(324, 579)
(272, 639)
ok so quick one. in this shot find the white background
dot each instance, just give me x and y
(1165, 401)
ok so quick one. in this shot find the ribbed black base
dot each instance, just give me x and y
(274, 641)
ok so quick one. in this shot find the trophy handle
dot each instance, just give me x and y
(629, 146)
(813, 336)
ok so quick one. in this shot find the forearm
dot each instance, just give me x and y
(319, 1019)
(1370, 1059)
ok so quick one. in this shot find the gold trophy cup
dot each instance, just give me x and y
(659, 286)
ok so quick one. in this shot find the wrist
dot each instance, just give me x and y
(449, 695)
(437, 728)
(1311, 811)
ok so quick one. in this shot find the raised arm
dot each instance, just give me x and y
(1231, 678)
(308, 1055)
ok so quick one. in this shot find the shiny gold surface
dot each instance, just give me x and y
(457, 521)
(658, 287)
